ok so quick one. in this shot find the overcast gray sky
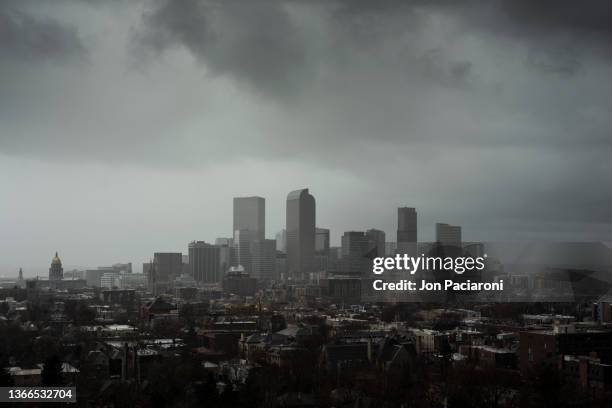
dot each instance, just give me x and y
(126, 127)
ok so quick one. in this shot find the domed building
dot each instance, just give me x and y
(56, 272)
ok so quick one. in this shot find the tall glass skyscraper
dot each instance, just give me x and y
(250, 214)
(301, 223)
(406, 225)
(406, 230)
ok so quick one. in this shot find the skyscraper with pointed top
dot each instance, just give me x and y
(56, 272)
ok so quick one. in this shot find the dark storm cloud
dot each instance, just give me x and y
(262, 43)
(26, 37)
(559, 33)
(542, 16)
(251, 41)
(591, 16)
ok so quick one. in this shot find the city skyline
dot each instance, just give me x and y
(242, 215)
(430, 232)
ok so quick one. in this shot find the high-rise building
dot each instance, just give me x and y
(263, 261)
(406, 224)
(105, 276)
(321, 262)
(204, 262)
(250, 214)
(185, 271)
(335, 255)
(406, 230)
(321, 257)
(249, 226)
(322, 240)
(281, 265)
(355, 246)
(300, 226)
(168, 266)
(447, 234)
(226, 249)
(281, 240)
(161, 272)
(239, 283)
(376, 240)
(243, 240)
(146, 268)
(110, 279)
(56, 272)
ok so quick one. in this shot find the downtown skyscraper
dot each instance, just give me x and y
(447, 234)
(250, 215)
(406, 230)
(204, 262)
(301, 221)
(249, 227)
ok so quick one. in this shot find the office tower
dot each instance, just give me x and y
(406, 230)
(406, 224)
(110, 279)
(204, 262)
(300, 226)
(335, 254)
(20, 279)
(447, 234)
(263, 262)
(168, 266)
(376, 240)
(225, 246)
(321, 262)
(185, 271)
(239, 283)
(249, 226)
(132, 281)
(242, 244)
(354, 248)
(56, 272)
(146, 268)
(322, 240)
(281, 265)
(321, 256)
(281, 240)
(250, 215)
(94, 277)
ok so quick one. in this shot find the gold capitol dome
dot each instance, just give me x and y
(56, 260)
